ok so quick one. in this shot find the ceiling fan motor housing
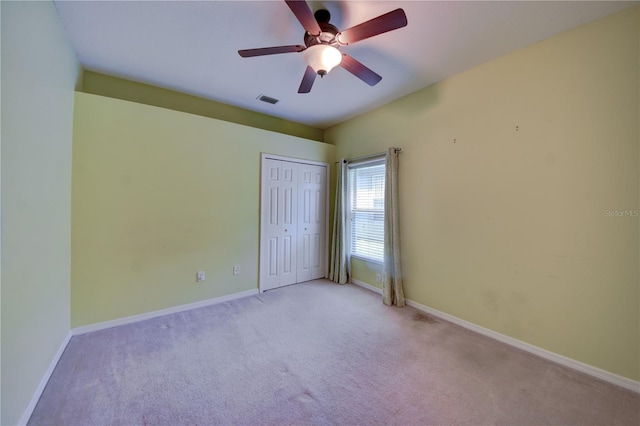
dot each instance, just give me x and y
(328, 34)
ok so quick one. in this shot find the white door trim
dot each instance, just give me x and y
(292, 159)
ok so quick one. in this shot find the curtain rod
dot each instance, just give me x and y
(365, 157)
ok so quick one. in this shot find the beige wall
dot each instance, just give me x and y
(508, 173)
(39, 72)
(158, 195)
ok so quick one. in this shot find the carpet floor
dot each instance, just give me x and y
(316, 354)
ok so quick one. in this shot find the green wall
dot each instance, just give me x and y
(39, 72)
(100, 84)
(158, 195)
(510, 176)
(366, 271)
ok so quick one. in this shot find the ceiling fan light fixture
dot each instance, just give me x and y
(322, 40)
(322, 58)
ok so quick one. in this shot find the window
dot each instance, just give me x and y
(366, 208)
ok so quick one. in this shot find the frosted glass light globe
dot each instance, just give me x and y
(322, 58)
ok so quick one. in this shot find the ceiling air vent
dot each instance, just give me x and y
(267, 99)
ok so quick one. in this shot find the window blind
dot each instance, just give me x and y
(366, 204)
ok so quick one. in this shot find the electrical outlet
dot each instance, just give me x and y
(378, 278)
(236, 270)
(200, 276)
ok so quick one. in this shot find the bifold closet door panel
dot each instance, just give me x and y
(311, 222)
(279, 211)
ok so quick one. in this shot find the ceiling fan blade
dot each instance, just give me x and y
(356, 68)
(247, 53)
(307, 80)
(305, 16)
(383, 23)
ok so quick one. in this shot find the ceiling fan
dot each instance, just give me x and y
(322, 41)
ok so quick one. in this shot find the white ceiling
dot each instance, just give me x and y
(191, 47)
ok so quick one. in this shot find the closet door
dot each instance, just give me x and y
(279, 210)
(293, 221)
(311, 222)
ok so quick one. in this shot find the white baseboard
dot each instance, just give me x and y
(543, 353)
(367, 286)
(43, 382)
(175, 309)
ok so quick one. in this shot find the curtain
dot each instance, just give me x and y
(339, 262)
(392, 291)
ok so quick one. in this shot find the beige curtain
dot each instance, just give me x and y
(339, 262)
(392, 291)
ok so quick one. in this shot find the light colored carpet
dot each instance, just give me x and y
(315, 353)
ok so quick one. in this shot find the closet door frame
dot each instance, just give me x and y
(266, 156)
